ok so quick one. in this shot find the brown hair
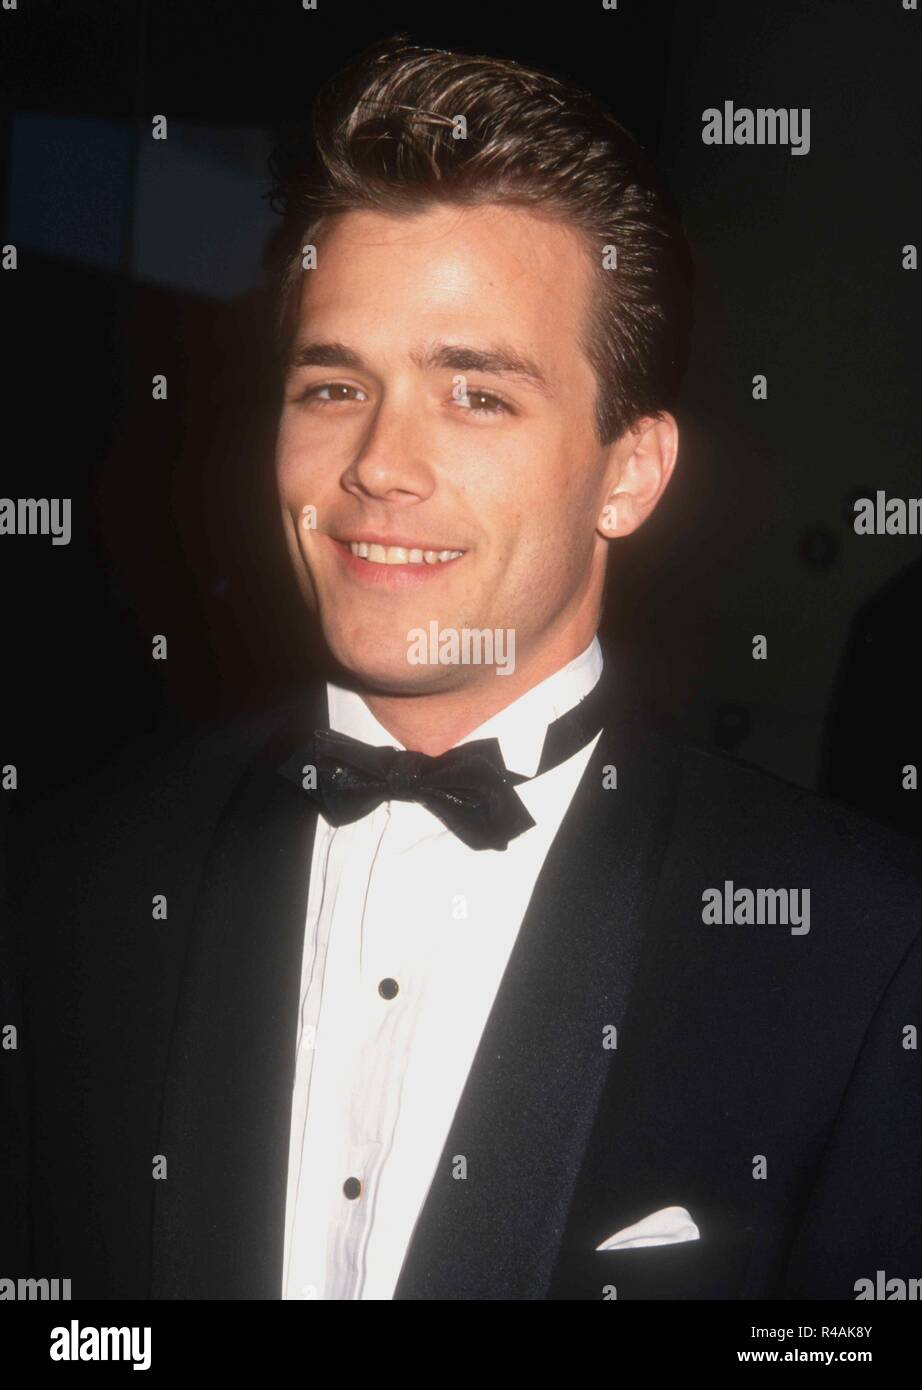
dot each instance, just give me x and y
(382, 139)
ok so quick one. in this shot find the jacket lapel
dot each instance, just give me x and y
(219, 1214)
(527, 1108)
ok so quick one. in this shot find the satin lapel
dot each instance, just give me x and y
(219, 1213)
(525, 1114)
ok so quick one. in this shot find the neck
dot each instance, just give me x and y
(434, 722)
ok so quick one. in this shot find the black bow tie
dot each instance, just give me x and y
(469, 788)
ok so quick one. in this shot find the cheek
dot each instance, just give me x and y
(549, 546)
(286, 470)
(292, 458)
(530, 568)
(297, 503)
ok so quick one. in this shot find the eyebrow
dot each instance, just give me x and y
(497, 359)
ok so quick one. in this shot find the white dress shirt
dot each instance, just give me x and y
(397, 900)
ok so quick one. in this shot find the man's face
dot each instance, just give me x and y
(405, 424)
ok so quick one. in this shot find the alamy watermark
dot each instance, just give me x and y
(76, 1343)
(34, 1290)
(881, 515)
(888, 1290)
(36, 516)
(757, 906)
(466, 646)
(764, 125)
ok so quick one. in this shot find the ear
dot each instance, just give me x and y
(641, 465)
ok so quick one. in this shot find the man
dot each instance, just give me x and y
(474, 986)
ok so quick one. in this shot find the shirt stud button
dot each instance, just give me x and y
(352, 1188)
(388, 988)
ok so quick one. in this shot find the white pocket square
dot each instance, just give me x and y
(666, 1227)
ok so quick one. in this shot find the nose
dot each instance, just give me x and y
(393, 463)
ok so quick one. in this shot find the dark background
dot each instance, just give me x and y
(139, 257)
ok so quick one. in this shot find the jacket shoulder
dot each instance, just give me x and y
(760, 831)
(158, 789)
(731, 792)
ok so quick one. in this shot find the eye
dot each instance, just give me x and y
(312, 393)
(471, 400)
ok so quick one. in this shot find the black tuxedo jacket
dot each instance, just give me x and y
(763, 1080)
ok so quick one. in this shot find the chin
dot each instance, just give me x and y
(381, 680)
(386, 671)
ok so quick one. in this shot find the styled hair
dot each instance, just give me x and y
(383, 138)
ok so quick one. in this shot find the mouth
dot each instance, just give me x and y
(377, 554)
(402, 564)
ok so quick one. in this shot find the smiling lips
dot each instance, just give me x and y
(394, 566)
(400, 554)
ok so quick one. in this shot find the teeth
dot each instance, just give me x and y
(400, 555)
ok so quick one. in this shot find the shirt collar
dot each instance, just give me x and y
(520, 727)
